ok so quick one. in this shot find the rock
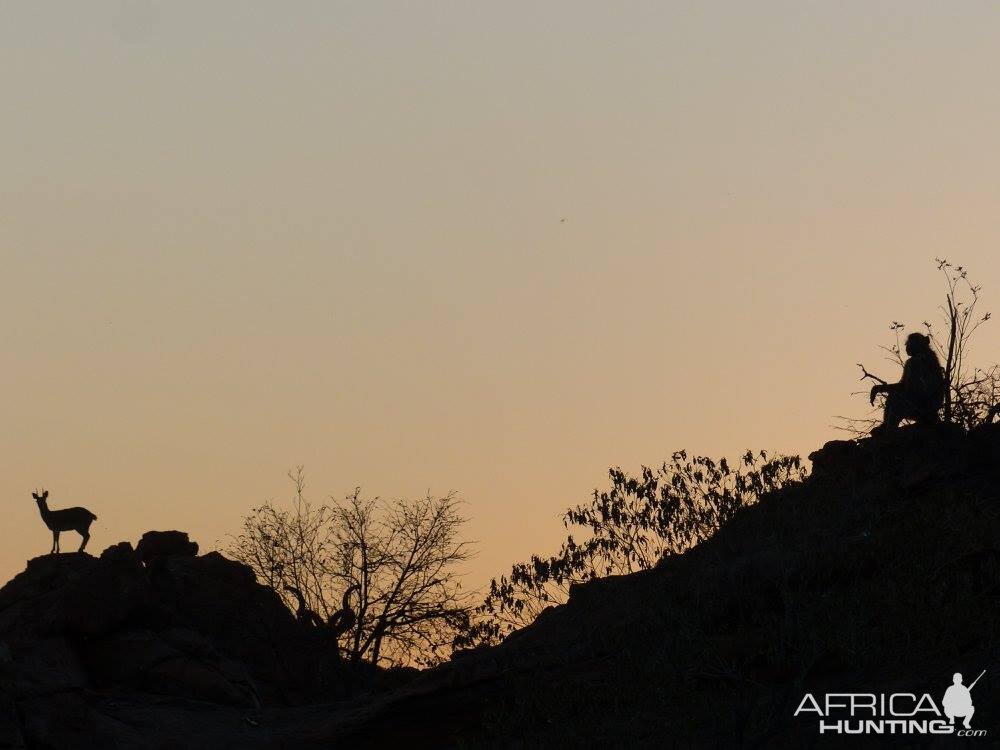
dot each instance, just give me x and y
(221, 600)
(190, 642)
(187, 677)
(73, 721)
(156, 544)
(120, 551)
(111, 652)
(73, 594)
(916, 454)
(173, 662)
(10, 728)
(837, 459)
(985, 445)
(905, 457)
(46, 666)
(121, 660)
(62, 720)
(6, 669)
(809, 588)
(164, 650)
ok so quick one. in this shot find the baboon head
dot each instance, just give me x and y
(917, 343)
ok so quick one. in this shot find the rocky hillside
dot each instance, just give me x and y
(880, 573)
(153, 647)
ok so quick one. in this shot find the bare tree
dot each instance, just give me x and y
(394, 563)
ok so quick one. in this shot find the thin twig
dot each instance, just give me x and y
(867, 374)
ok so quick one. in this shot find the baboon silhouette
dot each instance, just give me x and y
(304, 615)
(68, 519)
(919, 393)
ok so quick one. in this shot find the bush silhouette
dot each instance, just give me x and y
(632, 526)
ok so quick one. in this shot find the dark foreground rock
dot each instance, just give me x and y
(184, 651)
(156, 544)
(878, 574)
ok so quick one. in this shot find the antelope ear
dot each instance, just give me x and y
(35, 496)
(45, 494)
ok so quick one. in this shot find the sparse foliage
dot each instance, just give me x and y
(403, 555)
(632, 526)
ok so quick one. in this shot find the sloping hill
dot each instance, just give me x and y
(878, 574)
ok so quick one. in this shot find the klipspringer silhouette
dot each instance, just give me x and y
(68, 519)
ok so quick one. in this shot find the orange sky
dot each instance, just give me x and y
(240, 236)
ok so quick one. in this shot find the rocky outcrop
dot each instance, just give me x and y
(879, 573)
(73, 594)
(85, 641)
(156, 544)
(11, 737)
(905, 457)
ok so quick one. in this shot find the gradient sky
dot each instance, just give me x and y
(240, 236)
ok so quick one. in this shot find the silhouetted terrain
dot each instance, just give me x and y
(182, 651)
(879, 573)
